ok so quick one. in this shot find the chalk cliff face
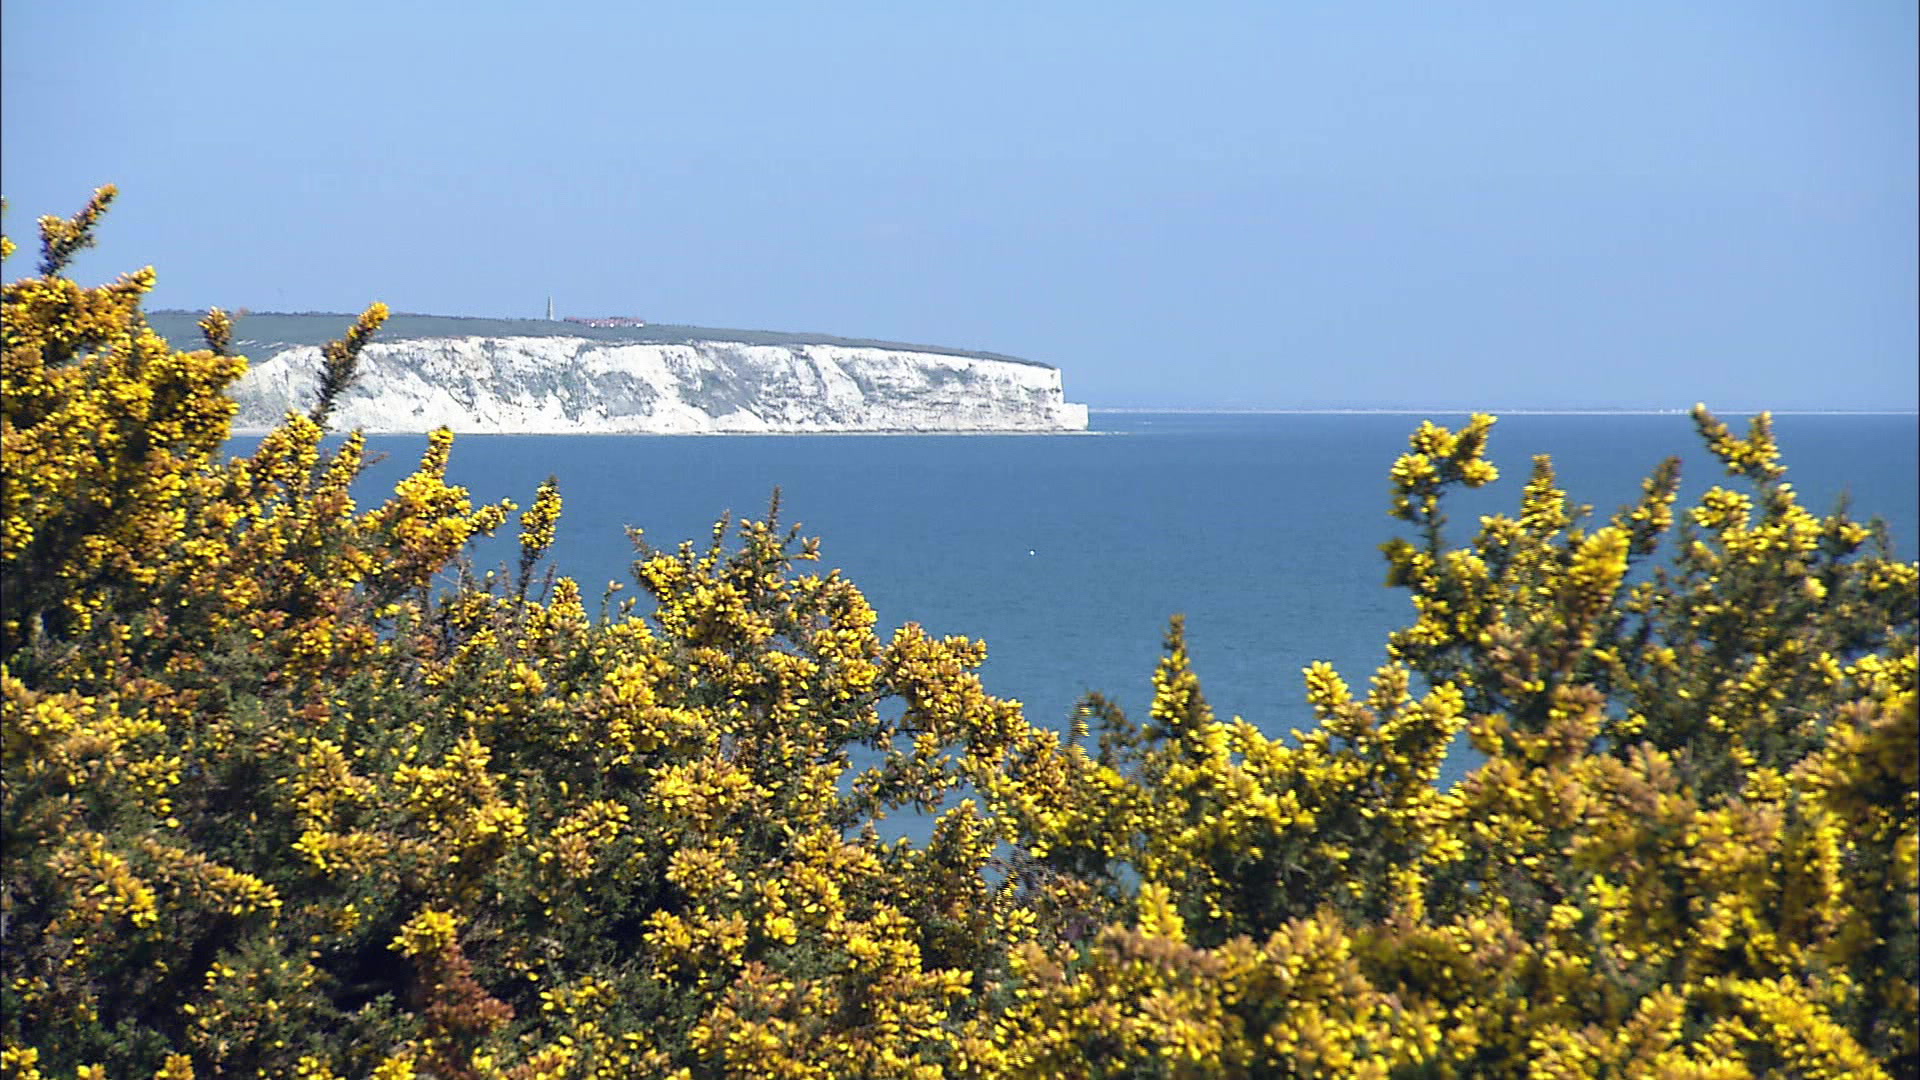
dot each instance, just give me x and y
(564, 385)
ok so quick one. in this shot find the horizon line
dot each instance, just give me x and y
(1459, 411)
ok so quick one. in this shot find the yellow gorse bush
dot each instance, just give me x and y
(289, 791)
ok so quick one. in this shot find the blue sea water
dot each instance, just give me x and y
(1067, 554)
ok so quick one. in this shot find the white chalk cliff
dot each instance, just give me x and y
(572, 385)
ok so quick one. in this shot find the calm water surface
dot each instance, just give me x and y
(1067, 554)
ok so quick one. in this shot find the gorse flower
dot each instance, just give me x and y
(289, 789)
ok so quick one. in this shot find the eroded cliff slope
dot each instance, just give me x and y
(557, 384)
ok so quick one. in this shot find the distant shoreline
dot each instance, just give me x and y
(1135, 411)
(257, 432)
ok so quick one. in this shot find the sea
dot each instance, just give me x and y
(1067, 554)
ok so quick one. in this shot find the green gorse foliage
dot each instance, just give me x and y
(273, 804)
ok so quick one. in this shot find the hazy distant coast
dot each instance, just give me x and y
(1452, 410)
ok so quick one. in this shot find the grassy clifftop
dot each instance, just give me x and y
(273, 329)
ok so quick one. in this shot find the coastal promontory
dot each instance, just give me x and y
(542, 377)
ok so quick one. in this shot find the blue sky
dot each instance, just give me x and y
(1202, 205)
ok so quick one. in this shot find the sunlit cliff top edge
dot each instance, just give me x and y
(266, 332)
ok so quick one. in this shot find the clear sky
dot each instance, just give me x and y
(1263, 205)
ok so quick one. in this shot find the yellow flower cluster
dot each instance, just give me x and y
(289, 789)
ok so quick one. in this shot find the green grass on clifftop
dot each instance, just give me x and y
(267, 331)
